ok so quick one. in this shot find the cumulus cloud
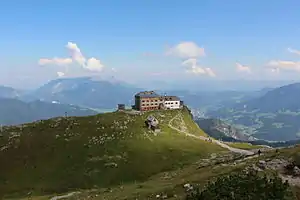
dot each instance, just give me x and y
(55, 61)
(60, 74)
(284, 65)
(190, 62)
(77, 57)
(76, 54)
(294, 51)
(243, 68)
(275, 66)
(192, 67)
(186, 50)
(93, 64)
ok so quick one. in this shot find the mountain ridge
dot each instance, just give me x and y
(14, 111)
(273, 116)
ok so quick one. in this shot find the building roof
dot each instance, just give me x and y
(147, 94)
(171, 98)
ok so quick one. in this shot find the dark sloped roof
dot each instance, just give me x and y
(147, 94)
(171, 98)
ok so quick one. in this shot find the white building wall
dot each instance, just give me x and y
(172, 104)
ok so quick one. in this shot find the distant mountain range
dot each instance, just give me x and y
(272, 116)
(76, 96)
(14, 111)
(220, 130)
(100, 94)
(8, 92)
(85, 92)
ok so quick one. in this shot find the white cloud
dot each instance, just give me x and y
(275, 70)
(75, 53)
(190, 62)
(210, 72)
(60, 74)
(186, 50)
(192, 67)
(284, 65)
(294, 51)
(196, 70)
(55, 61)
(243, 68)
(91, 64)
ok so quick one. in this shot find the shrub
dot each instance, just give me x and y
(244, 185)
(296, 159)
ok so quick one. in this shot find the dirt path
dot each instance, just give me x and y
(236, 150)
(64, 196)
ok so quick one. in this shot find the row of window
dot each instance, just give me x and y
(150, 108)
(156, 104)
(143, 101)
(156, 100)
(172, 102)
(150, 100)
(152, 104)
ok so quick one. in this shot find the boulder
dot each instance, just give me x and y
(262, 164)
(296, 171)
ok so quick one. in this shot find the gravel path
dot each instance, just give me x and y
(236, 150)
(64, 196)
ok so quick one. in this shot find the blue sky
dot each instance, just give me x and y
(234, 39)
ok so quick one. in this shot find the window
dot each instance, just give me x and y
(143, 100)
(176, 102)
(155, 100)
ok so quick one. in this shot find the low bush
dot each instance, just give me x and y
(296, 159)
(244, 185)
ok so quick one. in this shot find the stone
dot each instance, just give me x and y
(262, 164)
(296, 171)
(188, 186)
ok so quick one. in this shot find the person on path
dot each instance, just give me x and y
(259, 152)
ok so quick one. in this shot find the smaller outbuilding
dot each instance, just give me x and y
(121, 107)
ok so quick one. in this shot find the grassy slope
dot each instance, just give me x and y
(171, 183)
(63, 154)
(246, 146)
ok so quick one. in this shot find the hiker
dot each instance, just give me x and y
(259, 152)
